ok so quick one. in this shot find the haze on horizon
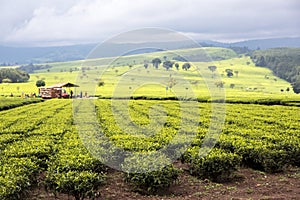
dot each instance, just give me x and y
(55, 22)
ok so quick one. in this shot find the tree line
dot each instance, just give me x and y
(13, 76)
(30, 68)
(284, 62)
(167, 64)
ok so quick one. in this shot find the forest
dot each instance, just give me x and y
(284, 62)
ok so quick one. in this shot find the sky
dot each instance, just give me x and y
(68, 22)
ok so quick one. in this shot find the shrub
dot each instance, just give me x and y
(79, 184)
(218, 165)
(40, 83)
(260, 156)
(6, 80)
(16, 176)
(150, 174)
(101, 83)
(77, 161)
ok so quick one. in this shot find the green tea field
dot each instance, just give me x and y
(222, 128)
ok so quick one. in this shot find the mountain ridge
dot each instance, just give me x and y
(25, 55)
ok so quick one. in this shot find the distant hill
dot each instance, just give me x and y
(269, 43)
(22, 55)
(25, 55)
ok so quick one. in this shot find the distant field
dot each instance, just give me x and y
(128, 75)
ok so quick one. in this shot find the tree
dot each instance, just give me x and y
(100, 83)
(168, 64)
(172, 82)
(146, 65)
(296, 86)
(284, 62)
(220, 84)
(229, 72)
(267, 77)
(186, 66)
(177, 66)
(30, 68)
(16, 76)
(40, 83)
(156, 62)
(232, 85)
(236, 73)
(212, 68)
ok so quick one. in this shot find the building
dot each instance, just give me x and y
(56, 91)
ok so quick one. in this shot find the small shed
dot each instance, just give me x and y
(56, 91)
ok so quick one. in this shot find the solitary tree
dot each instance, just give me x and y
(236, 73)
(212, 68)
(229, 72)
(100, 83)
(177, 66)
(146, 65)
(156, 62)
(220, 84)
(40, 83)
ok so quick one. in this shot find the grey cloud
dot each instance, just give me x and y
(80, 21)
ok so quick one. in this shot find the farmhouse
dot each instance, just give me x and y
(56, 91)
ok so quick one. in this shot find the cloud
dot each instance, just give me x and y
(55, 22)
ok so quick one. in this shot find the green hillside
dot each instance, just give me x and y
(284, 62)
(126, 75)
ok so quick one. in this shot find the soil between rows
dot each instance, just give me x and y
(249, 184)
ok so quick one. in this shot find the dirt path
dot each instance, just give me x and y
(251, 184)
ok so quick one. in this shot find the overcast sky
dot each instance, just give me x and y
(61, 22)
